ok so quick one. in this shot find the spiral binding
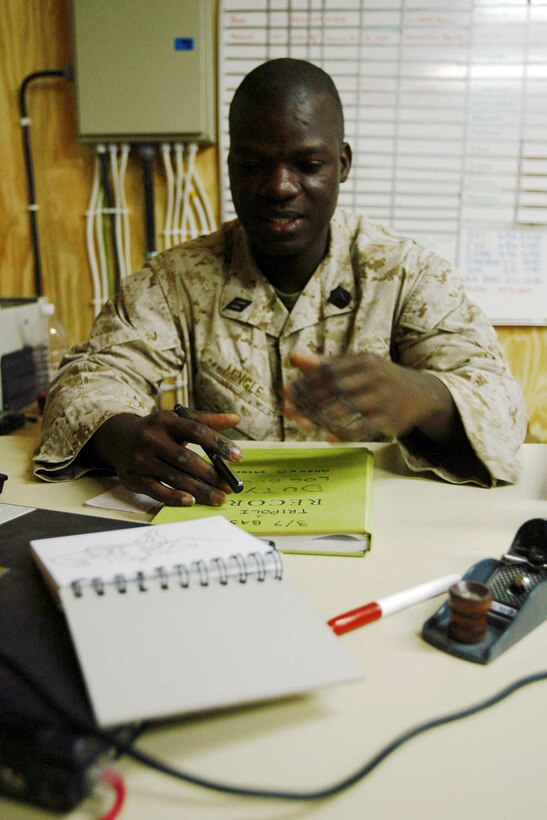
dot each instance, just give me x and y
(236, 567)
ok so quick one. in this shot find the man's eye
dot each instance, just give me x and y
(311, 167)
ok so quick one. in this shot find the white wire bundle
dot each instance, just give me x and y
(90, 216)
(188, 214)
(170, 204)
(202, 198)
(124, 148)
(95, 234)
(188, 211)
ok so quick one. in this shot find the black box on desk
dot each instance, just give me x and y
(19, 318)
(45, 758)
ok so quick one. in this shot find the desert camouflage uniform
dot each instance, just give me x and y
(206, 306)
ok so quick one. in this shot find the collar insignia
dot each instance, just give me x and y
(340, 297)
(238, 304)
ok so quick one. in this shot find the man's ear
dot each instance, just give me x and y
(345, 161)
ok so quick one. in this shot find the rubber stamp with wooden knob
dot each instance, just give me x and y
(496, 603)
(469, 604)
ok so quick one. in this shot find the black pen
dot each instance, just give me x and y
(217, 461)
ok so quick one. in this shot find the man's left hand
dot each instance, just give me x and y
(363, 397)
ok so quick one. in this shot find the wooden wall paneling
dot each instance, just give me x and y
(37, 36)
(526, 351)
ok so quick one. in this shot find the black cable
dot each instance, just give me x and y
(345, 783)
(279, 794)
(147, 157)
(33, 207)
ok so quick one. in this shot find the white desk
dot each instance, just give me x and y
(491, 765)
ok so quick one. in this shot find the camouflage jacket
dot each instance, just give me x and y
(205, 306)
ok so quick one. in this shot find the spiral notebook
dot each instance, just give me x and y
(186, 617)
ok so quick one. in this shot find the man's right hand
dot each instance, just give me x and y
(149, 452)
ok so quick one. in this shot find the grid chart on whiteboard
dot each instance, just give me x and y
(445, 105)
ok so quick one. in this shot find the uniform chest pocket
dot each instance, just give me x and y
(232, 392)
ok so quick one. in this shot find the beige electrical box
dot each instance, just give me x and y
(145, 70)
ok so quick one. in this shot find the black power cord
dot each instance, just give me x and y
(33, 206)
(147, 152)
(130, 750)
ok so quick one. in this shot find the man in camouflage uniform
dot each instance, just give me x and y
(296, 321)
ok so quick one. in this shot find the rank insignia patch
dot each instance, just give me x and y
(340, 297)
(238, 304)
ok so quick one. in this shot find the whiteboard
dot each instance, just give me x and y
(445, 105)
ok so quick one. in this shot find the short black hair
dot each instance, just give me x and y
(274, 80)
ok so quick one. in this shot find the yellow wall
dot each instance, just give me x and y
(36, 35)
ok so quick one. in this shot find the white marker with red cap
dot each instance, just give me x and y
(393, 603)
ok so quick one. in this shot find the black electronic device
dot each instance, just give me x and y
(46, 764)
(47, 757)
(518, 585)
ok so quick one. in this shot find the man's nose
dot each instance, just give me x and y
(281, 182)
